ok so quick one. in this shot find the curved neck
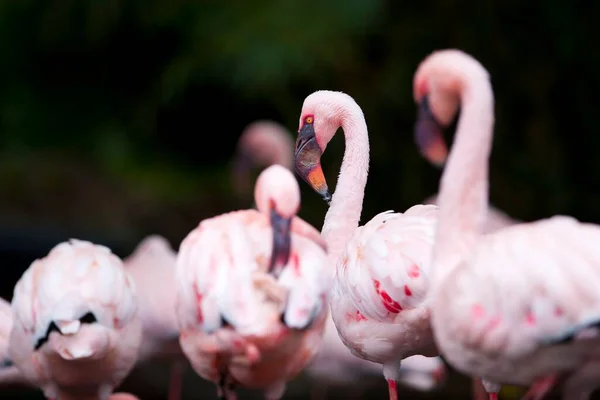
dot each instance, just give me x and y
(346, 203)
(463, 195)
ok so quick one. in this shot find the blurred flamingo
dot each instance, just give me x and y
(520, 305)
(75, 333)
(252, 291)
(261, 144)
(264, 143)
(152, 267)
(9, 374)
(379, 296)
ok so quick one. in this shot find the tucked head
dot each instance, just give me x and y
(277, 194)
(437, 86)
(323, 113)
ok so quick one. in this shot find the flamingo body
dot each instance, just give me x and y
(381, 312)
(519, 305)
(241, 322)
(522, 301)
(75, 332)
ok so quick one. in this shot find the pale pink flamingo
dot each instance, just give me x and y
(75, 333)
(9, 374)
(252, 291)
(261, 144)
(379, 296)
(520, 305)
(152, 267)
(264, 143)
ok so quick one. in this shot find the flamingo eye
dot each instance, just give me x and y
(309, 120)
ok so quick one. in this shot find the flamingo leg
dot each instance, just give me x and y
(393, 389)
(176, 381)
(541, 387)
(492, 388)
(479, 392)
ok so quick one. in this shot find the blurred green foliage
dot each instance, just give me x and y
(119, 90)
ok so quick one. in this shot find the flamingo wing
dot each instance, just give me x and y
(386, 263)
(544, 286)
(308, 279)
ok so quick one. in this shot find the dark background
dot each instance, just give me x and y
(119, 119)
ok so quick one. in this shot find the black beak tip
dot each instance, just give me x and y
(327, 197)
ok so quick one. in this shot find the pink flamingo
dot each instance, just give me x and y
(264, 143)
(379, 296)
(520, 305)
(252, 291)
(152, 267)
(75, 333)
(9, 374)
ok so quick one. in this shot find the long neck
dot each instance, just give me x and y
(346, 204)
(463, 195)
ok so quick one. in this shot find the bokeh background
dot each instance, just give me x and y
(119, 119)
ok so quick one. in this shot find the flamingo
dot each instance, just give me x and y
(379, 295)
(75, 332)
(9, 374)
(152, 267)
(262, 144)
(252, 291)
(520, 305)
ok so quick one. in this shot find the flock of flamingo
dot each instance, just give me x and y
(255, 297)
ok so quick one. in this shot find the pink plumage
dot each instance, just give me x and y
(265, 143)
(519, 305)
(379, 300)
(252, 291)
(76, 332)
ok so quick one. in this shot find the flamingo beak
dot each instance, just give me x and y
(282, 240)
(428, 135)
(307, 158)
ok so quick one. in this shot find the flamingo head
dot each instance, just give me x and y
(322, 114)
(437, 86)
(277, 194)
(261, 144)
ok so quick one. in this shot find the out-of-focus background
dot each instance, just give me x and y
(119, 119)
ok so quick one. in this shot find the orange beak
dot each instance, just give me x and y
(428, 135)
(307, 158)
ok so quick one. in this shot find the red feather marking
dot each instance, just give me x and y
(390, 304)
(199, 315)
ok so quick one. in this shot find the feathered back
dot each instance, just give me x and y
(76, 277)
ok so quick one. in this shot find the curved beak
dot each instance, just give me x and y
(282, 241)
(307, 159)
(428, 135)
